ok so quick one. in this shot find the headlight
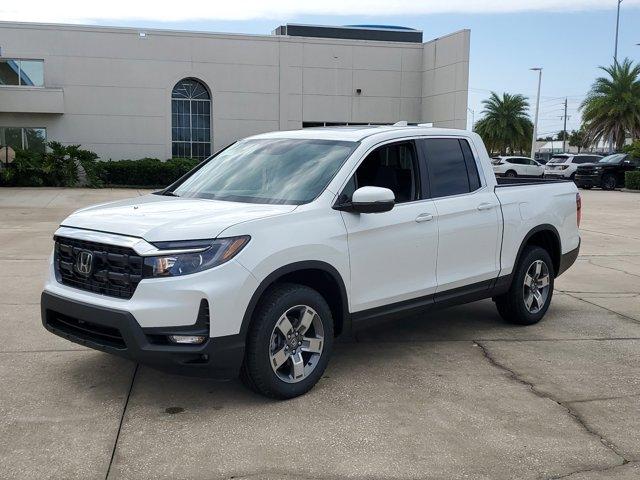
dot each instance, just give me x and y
(206, 254)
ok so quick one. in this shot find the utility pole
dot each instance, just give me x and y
(535, 122)
(564, 135)
(473, 117)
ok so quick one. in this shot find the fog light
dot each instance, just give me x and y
(192, 339)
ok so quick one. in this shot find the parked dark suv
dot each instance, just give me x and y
(608, 173)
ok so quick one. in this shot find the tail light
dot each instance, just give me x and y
(578, 208)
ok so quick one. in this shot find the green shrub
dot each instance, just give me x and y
(146, 172)
(632, 180)
(57, 167)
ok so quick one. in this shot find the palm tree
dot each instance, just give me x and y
(611, 109)
(505, 124)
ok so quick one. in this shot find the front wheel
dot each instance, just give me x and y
(531, 289)
(289, 342)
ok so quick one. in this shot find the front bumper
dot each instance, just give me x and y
(594, 180)
(119, 333)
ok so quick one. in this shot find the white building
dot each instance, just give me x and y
(128, 93)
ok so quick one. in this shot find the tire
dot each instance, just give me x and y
(304, 354)
(512, 305)
(609, 182)
(511, 173)
(572, 177)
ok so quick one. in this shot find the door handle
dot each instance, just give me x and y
(485, 206)
(424, 217)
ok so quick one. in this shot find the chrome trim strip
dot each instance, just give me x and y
(139, 245)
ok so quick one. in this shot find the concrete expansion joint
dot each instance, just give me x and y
(595, 470)
(576, 417)
(626, 317)
(277, 474)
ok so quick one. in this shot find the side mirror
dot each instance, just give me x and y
(369, 200)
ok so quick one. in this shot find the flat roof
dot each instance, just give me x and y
(382, 33)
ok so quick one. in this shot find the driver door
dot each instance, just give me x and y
(392, 254)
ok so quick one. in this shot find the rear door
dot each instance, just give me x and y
(469, 220)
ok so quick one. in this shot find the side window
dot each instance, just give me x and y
(447, 167)
(472, 168)
(392, 166)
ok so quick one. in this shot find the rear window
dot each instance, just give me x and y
(558, 159)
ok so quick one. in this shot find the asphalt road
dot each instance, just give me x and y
(452, 395)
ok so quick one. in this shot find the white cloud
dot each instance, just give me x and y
(83, 11)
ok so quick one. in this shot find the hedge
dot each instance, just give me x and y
(146, 172)
(63, 166)
(632, 180)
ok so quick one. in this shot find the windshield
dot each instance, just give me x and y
(615, 158)
(558, 159)
(284, 171)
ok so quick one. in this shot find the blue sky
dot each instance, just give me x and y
(570, 40)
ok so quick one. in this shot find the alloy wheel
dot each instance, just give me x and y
(296, 344)
(536, 286)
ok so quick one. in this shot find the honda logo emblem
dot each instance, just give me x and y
(84, 263)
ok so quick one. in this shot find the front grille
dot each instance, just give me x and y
(92, 332)
(114, 271)
(585, 170)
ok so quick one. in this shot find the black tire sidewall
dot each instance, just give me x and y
(275, 302)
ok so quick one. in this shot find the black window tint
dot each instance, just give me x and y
(472, 168)
(447, 167)
(391, 166)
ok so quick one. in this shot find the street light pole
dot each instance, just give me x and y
(535, 122)
(473, 117)
(615, 51)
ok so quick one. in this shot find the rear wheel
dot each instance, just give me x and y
(609, 182)
(531, 289)
(289, 342)
(511, 173)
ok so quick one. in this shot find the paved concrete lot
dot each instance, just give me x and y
(454, 395)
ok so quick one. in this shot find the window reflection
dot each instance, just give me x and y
(22, 72)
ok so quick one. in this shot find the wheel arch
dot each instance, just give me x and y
(315, 274)
(545, 236)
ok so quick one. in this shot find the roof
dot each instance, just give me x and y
(358, 133)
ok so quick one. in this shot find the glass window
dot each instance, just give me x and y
(22, 72)
(447, 167)
(391, 166)
(32, 73)
(17, 138)
(9, 72)
(472, 168)
(190, 120)
(281, 171)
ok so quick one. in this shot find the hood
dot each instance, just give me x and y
(591, 164)
(162, 218)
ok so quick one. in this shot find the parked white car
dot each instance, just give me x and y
(564, 165)
(263, 254)
(504, 166)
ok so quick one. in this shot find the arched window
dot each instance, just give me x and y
(190, 120)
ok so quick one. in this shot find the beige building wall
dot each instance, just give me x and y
(109, 89)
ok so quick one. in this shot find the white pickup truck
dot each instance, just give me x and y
(255, 261)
